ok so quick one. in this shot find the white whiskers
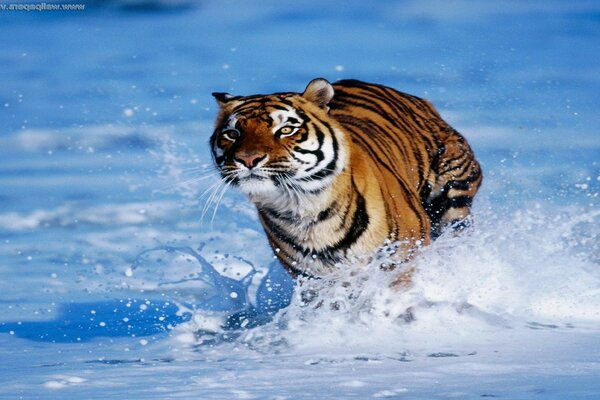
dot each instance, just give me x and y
(179, 183)
(214, 195)
(226, 186)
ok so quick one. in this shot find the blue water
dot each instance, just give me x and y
(113, 282)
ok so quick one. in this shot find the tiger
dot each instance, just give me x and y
(338, 170)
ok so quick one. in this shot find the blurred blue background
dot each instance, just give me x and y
(104, 113)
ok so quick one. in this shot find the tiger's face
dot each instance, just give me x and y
(276, 144)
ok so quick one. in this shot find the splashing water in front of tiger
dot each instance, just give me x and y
(530, 269)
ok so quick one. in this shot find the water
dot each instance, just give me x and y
(116, 277)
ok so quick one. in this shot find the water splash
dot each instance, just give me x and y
(531, 270)
(218, 302)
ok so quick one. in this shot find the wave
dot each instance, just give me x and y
(105, 215)
(96, 138)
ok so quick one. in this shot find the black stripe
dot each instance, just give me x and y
(365, 85)
(365, 102)
(460, 201)
(395, 100)
(347, 209)
(299, 160)
(304, 136)
(393, 115)
(275, 230)
(394, 124)
(318, 152)
(331, 167)
(458, 167)
(328, 212)
(360, 223)
(288, 260)
(463, 184)
(287, 216)
(379, 137)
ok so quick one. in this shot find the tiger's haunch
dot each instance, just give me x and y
(340, 169)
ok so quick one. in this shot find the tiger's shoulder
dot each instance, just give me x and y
(351, 93)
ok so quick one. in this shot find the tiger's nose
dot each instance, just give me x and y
(250, 160)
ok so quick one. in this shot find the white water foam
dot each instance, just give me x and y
(534, 269)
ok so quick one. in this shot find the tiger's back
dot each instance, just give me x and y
(416, 154)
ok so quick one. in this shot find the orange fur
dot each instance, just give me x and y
(364, 164)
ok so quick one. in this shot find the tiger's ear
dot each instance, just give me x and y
(222, 97)
(320, 92)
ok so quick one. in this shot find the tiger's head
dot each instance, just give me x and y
(272, 145)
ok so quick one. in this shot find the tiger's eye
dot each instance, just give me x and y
(231, 134)
(286, 130)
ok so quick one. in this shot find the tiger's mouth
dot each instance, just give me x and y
(249, 181)
(267, 181)
(248, 175)
(252, 177)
